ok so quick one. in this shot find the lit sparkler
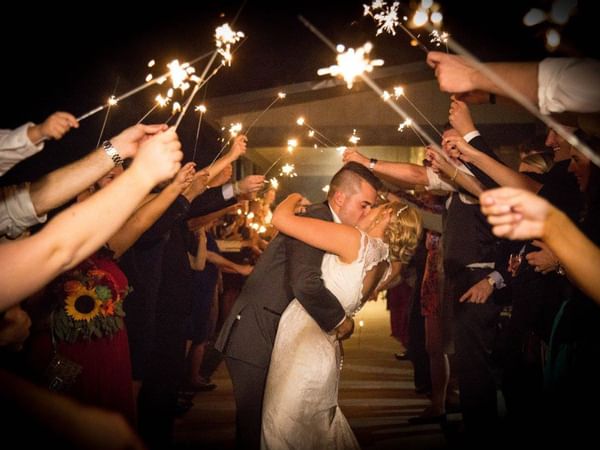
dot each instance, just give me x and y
(399, 92)
(514, 94)
(387, 98)
(201, 109)
(288, 170)
(291, 146)
(161, 102)
(234, 130)
(280, 96)
(159, 80)
(224, 37)
(387, 19)
(325, 141)
(351, 63)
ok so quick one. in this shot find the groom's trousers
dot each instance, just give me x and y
(248, 388)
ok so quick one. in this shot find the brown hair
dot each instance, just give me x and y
(348, 178)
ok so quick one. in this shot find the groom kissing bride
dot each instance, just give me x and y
(280, 340)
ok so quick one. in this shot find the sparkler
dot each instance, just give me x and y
(202, 110)
(292, 144)
(386, 98)
(234, 130)
(351, 63)
(399, 92)
(223, 40)
(312, 131)
(288, 170)
(387, 20)
(354, 138)
(111, 102)
(160, 102)
(280, 96)
(511, 92)
(161, 79)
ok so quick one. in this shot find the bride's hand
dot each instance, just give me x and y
(286, 207)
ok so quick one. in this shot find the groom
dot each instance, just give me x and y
(287, 269)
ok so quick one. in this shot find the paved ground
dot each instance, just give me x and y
(376, 395)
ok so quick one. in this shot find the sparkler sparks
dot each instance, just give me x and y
(312, 132)
(399, 92)
(354, 138)
(288, 170)
(404, 125)
(438, 38)
(224, 37)
(235, 129)
(351, 63)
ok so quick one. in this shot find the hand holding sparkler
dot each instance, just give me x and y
(198, 186)
(441, 165)
(250, 184)
(54, 127)
(460, 117)
(129, 140)
(454, 73)
(351, 154)
(458, 148)
(222, 177)
(158, 157)
(184, 177)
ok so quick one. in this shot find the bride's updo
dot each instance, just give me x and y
(403, 232)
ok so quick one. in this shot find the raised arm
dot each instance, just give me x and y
(147, 214)
(304, 272)
(25, 141)
(63, 184)
(403, 172)
(518, 214)
(456, 75)
(500, 173)
(452, 173)
(336, 238)
(81, 229)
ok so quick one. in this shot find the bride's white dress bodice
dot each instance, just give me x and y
(300, 403)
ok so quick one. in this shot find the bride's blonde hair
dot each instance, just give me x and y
(403, 232)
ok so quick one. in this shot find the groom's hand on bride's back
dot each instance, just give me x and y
(345, 329)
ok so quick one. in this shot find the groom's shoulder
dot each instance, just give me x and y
(319, 211)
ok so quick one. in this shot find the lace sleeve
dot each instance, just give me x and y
(372, 252)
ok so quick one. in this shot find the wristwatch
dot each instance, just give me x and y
(372, 163)
(112, 152)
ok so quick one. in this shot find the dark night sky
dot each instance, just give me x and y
(74, 64)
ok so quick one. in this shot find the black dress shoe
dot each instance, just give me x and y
(401, 356)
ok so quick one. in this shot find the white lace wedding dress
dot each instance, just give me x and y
(300, 408)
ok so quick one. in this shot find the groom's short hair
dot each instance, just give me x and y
(348, 179)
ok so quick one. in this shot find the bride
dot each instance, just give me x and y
(300, 408)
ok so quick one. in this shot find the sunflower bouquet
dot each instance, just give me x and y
(90, 304)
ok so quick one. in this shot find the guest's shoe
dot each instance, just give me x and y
(202, 385)
(401, 356)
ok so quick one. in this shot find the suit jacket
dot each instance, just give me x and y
(287, 269)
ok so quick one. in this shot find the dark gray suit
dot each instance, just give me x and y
(287, 269)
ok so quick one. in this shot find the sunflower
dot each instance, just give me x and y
(82, 304)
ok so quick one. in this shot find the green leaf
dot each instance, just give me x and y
(103, 292)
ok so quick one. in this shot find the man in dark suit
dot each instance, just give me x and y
(287, 269)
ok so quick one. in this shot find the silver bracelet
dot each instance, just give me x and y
(112, 152)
